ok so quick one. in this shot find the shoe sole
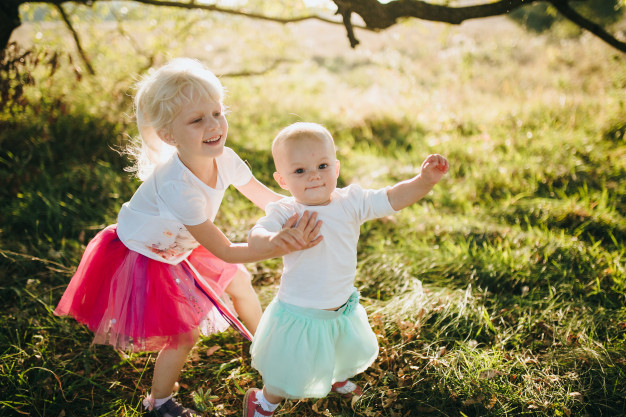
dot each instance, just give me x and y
(245, 402)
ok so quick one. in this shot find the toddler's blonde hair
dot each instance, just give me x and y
(300, 130)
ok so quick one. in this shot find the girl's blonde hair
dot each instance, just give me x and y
(160, 97)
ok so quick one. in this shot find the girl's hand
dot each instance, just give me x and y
(310, 227)
(298, 235)
(433, 168)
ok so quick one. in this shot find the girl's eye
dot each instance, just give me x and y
(198, 120)
(299, 171)
(217, 114)
(323, 166)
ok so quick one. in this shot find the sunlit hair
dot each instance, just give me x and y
(160, 97)
(300, 130)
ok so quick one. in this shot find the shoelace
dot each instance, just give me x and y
(148, 403)
(258, 407)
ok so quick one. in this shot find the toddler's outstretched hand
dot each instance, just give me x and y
(433, 168)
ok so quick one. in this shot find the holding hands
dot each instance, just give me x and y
(298, 235)
(295, 235)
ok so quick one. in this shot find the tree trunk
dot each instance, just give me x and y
(9, 20)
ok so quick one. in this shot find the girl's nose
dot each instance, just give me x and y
(212, 123)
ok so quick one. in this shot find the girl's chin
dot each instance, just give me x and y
(214, 149)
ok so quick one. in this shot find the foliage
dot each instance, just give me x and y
(502, 293)
(540, 17)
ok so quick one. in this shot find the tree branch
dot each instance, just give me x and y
(9, 20)
(567, 11)
(381, 16)
(214, 8)
(250, 73)
(346, 14)
(378, 16)
(81, 52)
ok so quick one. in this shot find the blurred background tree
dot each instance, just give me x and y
(595, 16)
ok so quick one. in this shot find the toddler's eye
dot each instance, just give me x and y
(323, 166)
(299, 171)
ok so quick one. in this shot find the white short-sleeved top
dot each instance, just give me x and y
(323, 276)
(153, 221)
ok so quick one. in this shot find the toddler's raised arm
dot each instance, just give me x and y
(408, 192)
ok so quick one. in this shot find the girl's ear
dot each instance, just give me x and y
(280, 180)
(166, 137)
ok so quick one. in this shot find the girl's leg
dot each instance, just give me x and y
(169, 364)
(245, 300)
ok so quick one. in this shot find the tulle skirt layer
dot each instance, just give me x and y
(300, 352)
(133, 302)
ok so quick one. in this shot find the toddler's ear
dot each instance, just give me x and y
(337, 169)
(280, 180)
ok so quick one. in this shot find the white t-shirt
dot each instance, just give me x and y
(323, 276)
(153, 221)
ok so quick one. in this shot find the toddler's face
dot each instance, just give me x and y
(308, 168)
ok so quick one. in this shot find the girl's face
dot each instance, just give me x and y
(308, 168)
(199, 131)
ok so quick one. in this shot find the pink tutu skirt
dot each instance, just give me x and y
(133, 302)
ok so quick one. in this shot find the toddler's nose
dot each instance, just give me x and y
(313, 174)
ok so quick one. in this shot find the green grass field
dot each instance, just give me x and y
(502, 293)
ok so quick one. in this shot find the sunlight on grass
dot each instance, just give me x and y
(501, 293)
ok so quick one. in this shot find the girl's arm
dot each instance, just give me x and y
(262, 239)
(408, 192)
(258, 193)
(291, 238)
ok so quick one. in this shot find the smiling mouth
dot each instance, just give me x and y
(211, 141)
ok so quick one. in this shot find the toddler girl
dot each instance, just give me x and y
(315, 335)
(151, 281)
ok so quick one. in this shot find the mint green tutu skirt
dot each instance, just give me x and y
(300, 352)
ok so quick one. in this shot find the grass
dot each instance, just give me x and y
(502, 293)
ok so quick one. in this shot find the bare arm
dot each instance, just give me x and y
(212, 238)
(292, 238)
(263, 240)
(408, 192)
(258, 193)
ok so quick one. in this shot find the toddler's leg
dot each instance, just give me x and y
(347, 389)
(259, 403)
(245, 300)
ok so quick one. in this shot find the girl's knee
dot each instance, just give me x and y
(185, 341)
